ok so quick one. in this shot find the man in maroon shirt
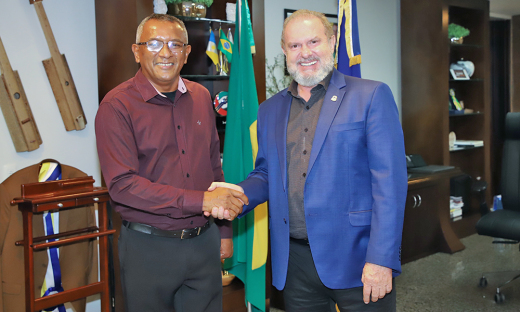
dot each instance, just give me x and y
(159, 152)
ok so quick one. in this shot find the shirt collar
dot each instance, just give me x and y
(147, 89)
(293, 87)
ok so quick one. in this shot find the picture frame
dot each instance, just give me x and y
(459, 74)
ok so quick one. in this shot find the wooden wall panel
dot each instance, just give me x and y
(115, 37)
(424, 63)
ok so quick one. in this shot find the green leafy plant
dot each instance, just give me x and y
(276, 79)
(207, 3)
(457, 31)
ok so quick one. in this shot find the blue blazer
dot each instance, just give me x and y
(356, 185)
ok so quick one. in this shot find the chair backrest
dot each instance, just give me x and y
(511, 163)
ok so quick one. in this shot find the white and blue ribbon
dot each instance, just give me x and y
(51, 171)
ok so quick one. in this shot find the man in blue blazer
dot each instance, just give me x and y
(331, 162)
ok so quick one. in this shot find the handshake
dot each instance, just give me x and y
(224, 201)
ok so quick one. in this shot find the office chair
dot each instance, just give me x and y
(505, 223)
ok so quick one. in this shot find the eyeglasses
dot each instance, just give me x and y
(155, 45)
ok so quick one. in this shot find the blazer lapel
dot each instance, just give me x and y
(331, 103)
(282, 118)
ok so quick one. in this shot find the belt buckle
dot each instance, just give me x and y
(182, 234)
(198, 232)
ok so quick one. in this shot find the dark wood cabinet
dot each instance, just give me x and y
(427, 227)
(420, 228)
(426, 54)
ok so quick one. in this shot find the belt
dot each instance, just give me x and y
(182, 234)
(300, 241)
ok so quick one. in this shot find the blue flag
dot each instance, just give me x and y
(348, 51)
(211, 50)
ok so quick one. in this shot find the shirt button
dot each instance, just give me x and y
(305, 152)
(178, 127)
(188, 175)
(304, 174)
(285, 221)
(183, 151)
(191, 222)
(307, 107)
(306, 129)
(168, 214)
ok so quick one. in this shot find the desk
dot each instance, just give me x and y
(427, 226)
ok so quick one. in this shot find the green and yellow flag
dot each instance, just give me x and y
(225, 45)
(240, 148)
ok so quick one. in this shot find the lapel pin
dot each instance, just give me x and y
(334, 98)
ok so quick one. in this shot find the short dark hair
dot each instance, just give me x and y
(159, 17)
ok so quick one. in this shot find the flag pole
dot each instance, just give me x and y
(239, 3)
(239, 8)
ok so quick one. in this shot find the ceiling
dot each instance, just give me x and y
(504, 7)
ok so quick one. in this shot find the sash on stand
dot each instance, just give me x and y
(51, 171)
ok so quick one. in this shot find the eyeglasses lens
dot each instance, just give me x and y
(154, 45)
(157, 45)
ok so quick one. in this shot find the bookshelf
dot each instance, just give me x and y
(426, 54)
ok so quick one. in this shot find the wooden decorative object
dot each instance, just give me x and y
(16, 109)
(55, 195)
(60, 77)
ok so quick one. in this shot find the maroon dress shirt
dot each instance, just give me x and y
(158, 156)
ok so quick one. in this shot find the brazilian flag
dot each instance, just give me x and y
(225, 45)
(240, 148)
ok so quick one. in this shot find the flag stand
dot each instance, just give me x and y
(239, 11)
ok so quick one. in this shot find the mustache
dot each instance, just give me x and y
(307, 60)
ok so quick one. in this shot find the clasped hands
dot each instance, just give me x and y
(224, 201)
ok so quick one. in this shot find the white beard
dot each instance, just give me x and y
(311, 80)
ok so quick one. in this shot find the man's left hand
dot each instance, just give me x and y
(226, 248)
(377, 281)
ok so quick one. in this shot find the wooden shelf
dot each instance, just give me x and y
(467, 80)
(466, 114)
(203, 19)
(467, 148)
(465, 226)
(463, 45)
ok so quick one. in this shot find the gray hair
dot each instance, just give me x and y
(159, 17)
(329, 32)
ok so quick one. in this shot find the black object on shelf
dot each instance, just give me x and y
(221, 123)
(460, 186)
(454, 112)
(480, 187)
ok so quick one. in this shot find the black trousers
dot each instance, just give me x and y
(304, 290)
(161, 273)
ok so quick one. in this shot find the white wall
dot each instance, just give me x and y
(379, 32)
(73, 24)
